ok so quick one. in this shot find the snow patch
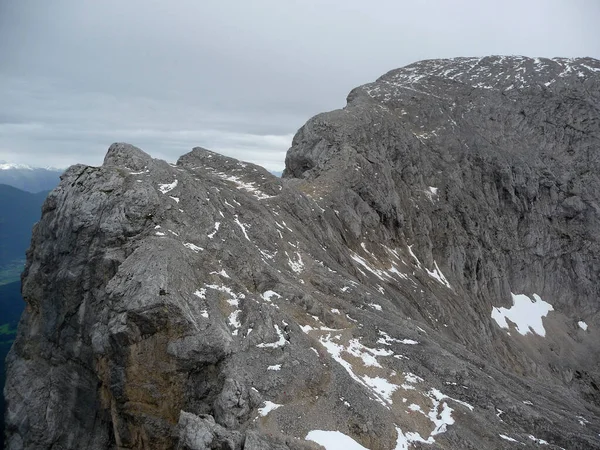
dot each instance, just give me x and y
(268, 295)
(306, 328)
(269, 406)
(378, 273)
(295, 264)
(431, 192)
(212, 234)
(508, 438)
(234, 321)
(333, 440)
(244, 185)
(279, 343)
(242, 226)
(168, 187)
(525, 313)
(382, 386)
(438, 275)
(536, 440)
(222, 273)
(192, 246)
(366, 354)
(385, 339)
(234, 298)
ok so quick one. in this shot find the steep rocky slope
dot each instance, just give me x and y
(209, 304)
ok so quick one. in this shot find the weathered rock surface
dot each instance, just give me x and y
(211, 305)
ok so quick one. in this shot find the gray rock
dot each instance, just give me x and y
(209, 304)
(202, 433)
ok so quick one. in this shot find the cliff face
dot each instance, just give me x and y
(424, 274)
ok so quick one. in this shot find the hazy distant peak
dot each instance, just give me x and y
(17, 166)
(9, 166)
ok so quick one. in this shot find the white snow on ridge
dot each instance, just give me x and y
(333, 440)
(431, 192)
(383, 387)
(191, 246)
(296, 265)
(592, 69)
(234, 321)
(168, 187)
(438, 275)
(355, 348)
(379, 386)
(268, 295)
(221, 272)
(246, 186)
(235, 298)
(440, 416)
(385, 338)
(536, 440)
(404, 440)
(278, 343)
(212, 234)
(242, 226)
(269, 406)
(378, 273)
(507, 438)
(525, 313)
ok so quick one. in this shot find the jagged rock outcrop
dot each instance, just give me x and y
(423, 276)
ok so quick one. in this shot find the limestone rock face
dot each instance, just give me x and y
(424, 275)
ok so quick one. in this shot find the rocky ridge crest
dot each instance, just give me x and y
(209, 304)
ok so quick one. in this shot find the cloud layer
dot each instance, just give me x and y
(236, 77)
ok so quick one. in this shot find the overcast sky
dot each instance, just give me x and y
(238, 77)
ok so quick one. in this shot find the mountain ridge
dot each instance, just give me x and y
(28, 178)
(375, 290)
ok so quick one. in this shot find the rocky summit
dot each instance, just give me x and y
(425, 275)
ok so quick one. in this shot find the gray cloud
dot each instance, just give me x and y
(237, 77)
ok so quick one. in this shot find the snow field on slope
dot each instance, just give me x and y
(525, 313)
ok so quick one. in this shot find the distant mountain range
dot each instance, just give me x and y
(19, 210)
(27, 178)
